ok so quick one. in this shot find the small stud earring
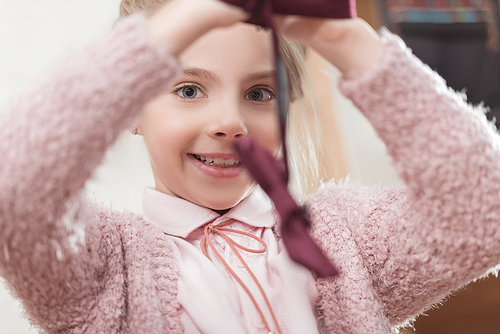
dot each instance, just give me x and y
(134, 131)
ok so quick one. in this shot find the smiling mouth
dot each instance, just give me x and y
(218, 162)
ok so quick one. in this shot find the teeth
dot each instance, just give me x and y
(219, 162)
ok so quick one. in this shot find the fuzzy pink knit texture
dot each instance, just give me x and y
(402, 249)
(81, 268)
(78, 268)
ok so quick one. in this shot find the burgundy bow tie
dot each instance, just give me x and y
(269, 172)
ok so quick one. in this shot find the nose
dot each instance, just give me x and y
(227, 123)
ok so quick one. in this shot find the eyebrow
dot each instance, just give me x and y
(208, 75)
(260, 75)
(200, 73)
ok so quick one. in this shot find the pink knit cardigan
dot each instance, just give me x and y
(79, 268)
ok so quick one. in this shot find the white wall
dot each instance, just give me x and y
(367, 155)
(34, 33)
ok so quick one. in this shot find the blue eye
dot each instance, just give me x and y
(189, 92)
(259, 95)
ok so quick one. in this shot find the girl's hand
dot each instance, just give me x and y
(180, 22)
(351, 45)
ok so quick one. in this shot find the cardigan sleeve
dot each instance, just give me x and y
(442, 229)
(53, 136)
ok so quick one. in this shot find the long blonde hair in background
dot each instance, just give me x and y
(303, 134)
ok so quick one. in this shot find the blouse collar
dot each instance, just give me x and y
(179, 217)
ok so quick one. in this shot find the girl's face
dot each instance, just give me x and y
(226, 92)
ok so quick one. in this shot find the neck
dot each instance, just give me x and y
(221, 212)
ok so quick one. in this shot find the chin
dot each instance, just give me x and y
(224, 203)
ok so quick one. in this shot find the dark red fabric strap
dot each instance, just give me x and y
(335, 9)
(269, 172)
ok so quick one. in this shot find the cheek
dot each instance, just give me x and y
(169, 141)
(167, 134)
(265, 130)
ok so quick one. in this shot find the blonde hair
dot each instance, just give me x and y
(303, 134)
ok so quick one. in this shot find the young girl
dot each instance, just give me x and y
(192, 90)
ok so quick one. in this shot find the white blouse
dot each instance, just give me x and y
(212, 299)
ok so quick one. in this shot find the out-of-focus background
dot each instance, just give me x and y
(34, 34)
